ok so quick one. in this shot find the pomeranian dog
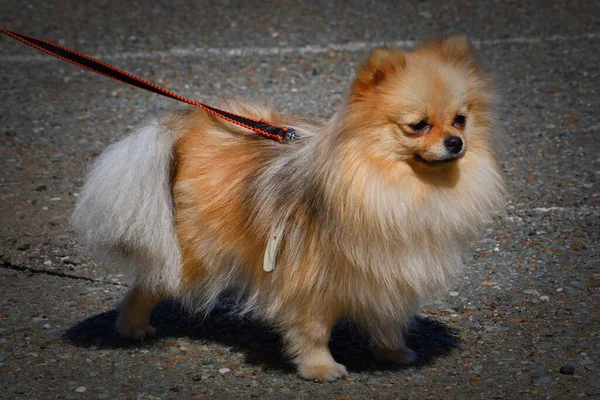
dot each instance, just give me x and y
(363, 218)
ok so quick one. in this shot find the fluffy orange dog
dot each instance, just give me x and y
(364, 217)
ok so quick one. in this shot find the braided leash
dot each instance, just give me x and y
(280, 133)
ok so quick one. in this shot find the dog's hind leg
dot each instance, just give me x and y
(134, 315)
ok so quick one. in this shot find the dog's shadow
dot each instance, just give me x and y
(428, 337)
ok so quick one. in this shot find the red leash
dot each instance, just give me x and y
(280, 133)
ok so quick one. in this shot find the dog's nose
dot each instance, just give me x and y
(453, 144)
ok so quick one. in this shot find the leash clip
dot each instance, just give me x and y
(289, 136)
(282, 134)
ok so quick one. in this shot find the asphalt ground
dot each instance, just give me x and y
(527, 306)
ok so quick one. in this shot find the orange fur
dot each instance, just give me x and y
(376, 215)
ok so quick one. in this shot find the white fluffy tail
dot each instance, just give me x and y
(125, 209)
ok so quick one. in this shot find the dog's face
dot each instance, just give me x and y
(422, 107)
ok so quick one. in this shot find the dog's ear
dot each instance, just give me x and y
(380, 64)
(457, 47)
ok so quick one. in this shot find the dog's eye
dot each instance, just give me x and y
(459, 121)
(419, 126)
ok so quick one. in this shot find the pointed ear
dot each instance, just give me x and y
(380, 64)
(457, 47)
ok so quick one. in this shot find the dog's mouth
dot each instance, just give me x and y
(442, 161)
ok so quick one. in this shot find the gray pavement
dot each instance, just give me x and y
(528, 303)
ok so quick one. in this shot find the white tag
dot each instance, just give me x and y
(273, 246)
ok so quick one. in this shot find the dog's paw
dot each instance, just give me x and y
(322, 372)
(135, 331)
(403, 356)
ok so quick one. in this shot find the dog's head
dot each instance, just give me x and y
(426, 107)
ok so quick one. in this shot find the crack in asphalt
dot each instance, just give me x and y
(22, 268)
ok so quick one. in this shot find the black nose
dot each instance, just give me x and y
(454, 144)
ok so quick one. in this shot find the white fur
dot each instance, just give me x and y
(125, 209)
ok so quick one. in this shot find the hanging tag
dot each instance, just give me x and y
(273, 246)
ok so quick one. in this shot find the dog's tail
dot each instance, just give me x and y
(125, 209)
